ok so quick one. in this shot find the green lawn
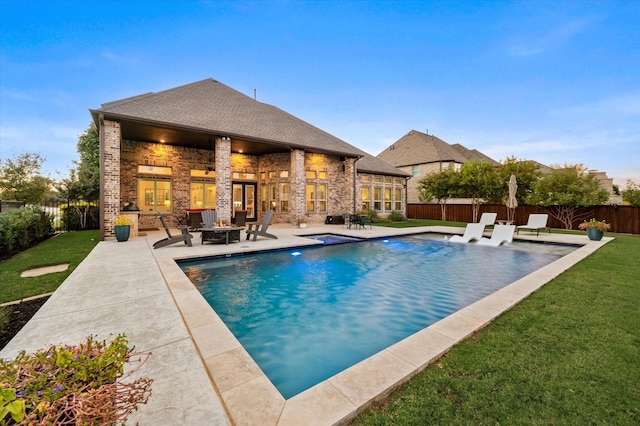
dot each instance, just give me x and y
(567, 355)
(70, 248)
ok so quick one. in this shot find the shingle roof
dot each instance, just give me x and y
(212, 107)
(419, 148)
(473, 154)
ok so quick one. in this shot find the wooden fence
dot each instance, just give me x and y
(623, 219)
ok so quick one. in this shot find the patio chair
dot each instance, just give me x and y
(240, 219)
(195, 220)
(209, 217)
(260, 229)
(501, 234)
(185, 236)
(473, 232)
(488, 219)
(536, 222)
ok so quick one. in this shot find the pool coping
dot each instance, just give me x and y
(251, 399)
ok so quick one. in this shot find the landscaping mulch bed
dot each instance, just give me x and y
(18, 315)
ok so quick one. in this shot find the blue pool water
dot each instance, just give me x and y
(306, 314)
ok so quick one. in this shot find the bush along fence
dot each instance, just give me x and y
(623, 219)
(23, 227)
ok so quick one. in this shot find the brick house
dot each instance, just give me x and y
(205, 145)
(419, 154)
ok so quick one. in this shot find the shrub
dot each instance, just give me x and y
(72, 384)
(22, 227)
(396, 216)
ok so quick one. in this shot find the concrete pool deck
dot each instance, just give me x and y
(202, 375)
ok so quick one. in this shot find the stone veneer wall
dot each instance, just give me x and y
(181, 160)
(110, 176)
(123, 159)
(338, 184)
(223, 179)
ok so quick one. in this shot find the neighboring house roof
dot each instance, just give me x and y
(209, 106)
(419, 148)
(542, 168)
(474, 154)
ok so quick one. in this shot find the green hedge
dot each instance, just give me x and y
(22, 227)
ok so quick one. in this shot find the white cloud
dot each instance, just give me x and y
(625, 105)
(541, 42)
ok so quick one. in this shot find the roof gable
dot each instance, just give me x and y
(419, 148)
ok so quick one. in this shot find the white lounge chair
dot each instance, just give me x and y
(536, 222)
(501, 234)
(473, 232)
(488, 219)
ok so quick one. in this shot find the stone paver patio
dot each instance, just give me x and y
(202, 375)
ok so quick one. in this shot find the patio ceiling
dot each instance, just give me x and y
(192, 138)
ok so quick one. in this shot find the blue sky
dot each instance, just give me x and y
(557, 82)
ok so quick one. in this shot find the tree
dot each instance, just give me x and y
(565, 189)
(478, 180)
(631, 193)
(21, 179)
(82, 187)
(440, 186)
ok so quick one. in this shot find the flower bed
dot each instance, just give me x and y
(65, 385)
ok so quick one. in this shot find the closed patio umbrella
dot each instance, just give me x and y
(512, 201)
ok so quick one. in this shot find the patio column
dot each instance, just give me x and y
(110, 136)
(350, 183)
(223, 179)
(298, 187)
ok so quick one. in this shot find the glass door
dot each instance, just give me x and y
(244, 198)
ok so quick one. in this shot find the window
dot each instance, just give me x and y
(322, 174)
(154, 195)
(155, 170)
(311, 174)
(387, 199)
(322, 197)
(311, 197)
(263, 198)
(243, 176)
(398, 199)
(203, 195)
(273, 203)
(377, 198)
(366, 198)
(284, 197)
(415, 170)
(272, 175)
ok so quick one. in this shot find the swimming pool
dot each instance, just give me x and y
(307, 316)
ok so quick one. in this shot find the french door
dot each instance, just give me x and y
(244, 198)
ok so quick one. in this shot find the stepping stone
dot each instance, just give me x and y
(36, 272)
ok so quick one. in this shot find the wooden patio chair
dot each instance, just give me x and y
(184, 237)
(260, 229)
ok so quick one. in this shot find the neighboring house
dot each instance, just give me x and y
(420, 154)
(206, 145)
